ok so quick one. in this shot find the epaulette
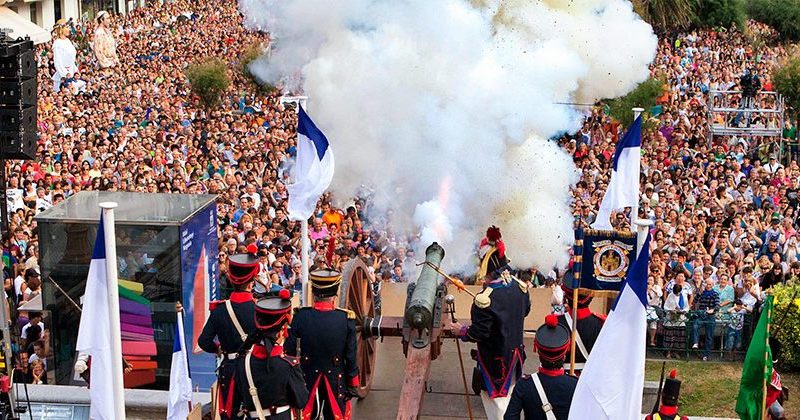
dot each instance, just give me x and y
(214, 303)
(350, 314)
(291, 360)
(482, 300)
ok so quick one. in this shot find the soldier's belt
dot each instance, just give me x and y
(270, 411)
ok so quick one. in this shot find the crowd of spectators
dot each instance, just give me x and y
(724, 211)
(724, 207)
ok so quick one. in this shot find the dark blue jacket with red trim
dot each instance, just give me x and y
(219, 324)
(589, 325)
(498, 329)
(276, 376)
(558, 388)
(326, 337)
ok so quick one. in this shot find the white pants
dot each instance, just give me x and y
(495, 408)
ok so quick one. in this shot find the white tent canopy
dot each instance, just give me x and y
(20, 26)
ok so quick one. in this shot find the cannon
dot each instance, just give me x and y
(421, 326)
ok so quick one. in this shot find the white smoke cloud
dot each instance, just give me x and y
(446, 106)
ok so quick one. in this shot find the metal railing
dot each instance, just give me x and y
(729, 113)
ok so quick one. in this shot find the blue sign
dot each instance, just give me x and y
(200, 274)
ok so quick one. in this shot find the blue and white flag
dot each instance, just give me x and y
(623, 189)
(610, 385)
(313, 168)
(180, 385)
(94, 333)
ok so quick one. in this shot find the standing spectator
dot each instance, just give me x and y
(733, 340)
(64, 54)
(676, 306)
(707, 306)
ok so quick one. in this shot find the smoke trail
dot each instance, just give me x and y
(412, 92)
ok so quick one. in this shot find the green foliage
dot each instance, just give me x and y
(665, 15)
(786, 78)
(644, 96)
(251, 54)
(719, 13)
(783, 15)
(209, 80)
(786, 323)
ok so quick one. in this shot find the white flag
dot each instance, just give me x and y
(610, 385)
(623, 189)
(313, 168)
(94, 333)
(180, 385)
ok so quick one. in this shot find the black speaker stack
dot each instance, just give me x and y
(18, 138)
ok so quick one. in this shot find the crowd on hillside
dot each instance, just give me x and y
(724, 211)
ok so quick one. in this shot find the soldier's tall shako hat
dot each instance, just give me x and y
(672, 390)
(584, 296)
(552, 340)
(273, 312)
(243, 268)
(325, 282)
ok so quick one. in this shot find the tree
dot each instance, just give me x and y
(719, 13)
(644, 96)
(665, 15)
(783, 15)
(209, 80)
(786, 78)
(250, 55)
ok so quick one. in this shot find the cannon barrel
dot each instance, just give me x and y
(420, 308)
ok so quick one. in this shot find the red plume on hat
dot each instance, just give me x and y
(493, 234)
(252, 249)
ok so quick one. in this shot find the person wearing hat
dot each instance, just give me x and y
(268, 381)
(588, 323)
(105, 47)
(230, 322)
(497, 314)
(324, 337)
(492, 254)
(668, 409)
(546, 394)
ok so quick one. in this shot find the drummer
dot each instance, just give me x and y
(324, 338)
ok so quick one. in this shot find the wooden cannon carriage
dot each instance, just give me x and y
(421, 328)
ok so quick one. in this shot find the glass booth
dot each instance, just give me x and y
(166, 253)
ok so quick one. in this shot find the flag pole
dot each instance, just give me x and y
(635, 209)
(113, 308)
(766, 361)
(574, 316)
(305, 244)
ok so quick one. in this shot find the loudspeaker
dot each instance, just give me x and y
(18, 119)
(18, 144)
(16, 92)
(13, 47)
(22, 66)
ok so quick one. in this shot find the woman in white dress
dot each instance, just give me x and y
(63, 57)
(105, 47)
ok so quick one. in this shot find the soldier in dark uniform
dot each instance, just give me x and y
(498, 314)
(230, 322)
(326, 338)
(588, 324)
(492, 253)
(549, 389)
(668, 410)
(276, 379)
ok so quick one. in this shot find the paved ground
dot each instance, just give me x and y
(444, 401)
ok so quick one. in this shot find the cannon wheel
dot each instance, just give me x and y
(357, 295)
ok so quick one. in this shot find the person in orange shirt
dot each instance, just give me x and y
(332, 216)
